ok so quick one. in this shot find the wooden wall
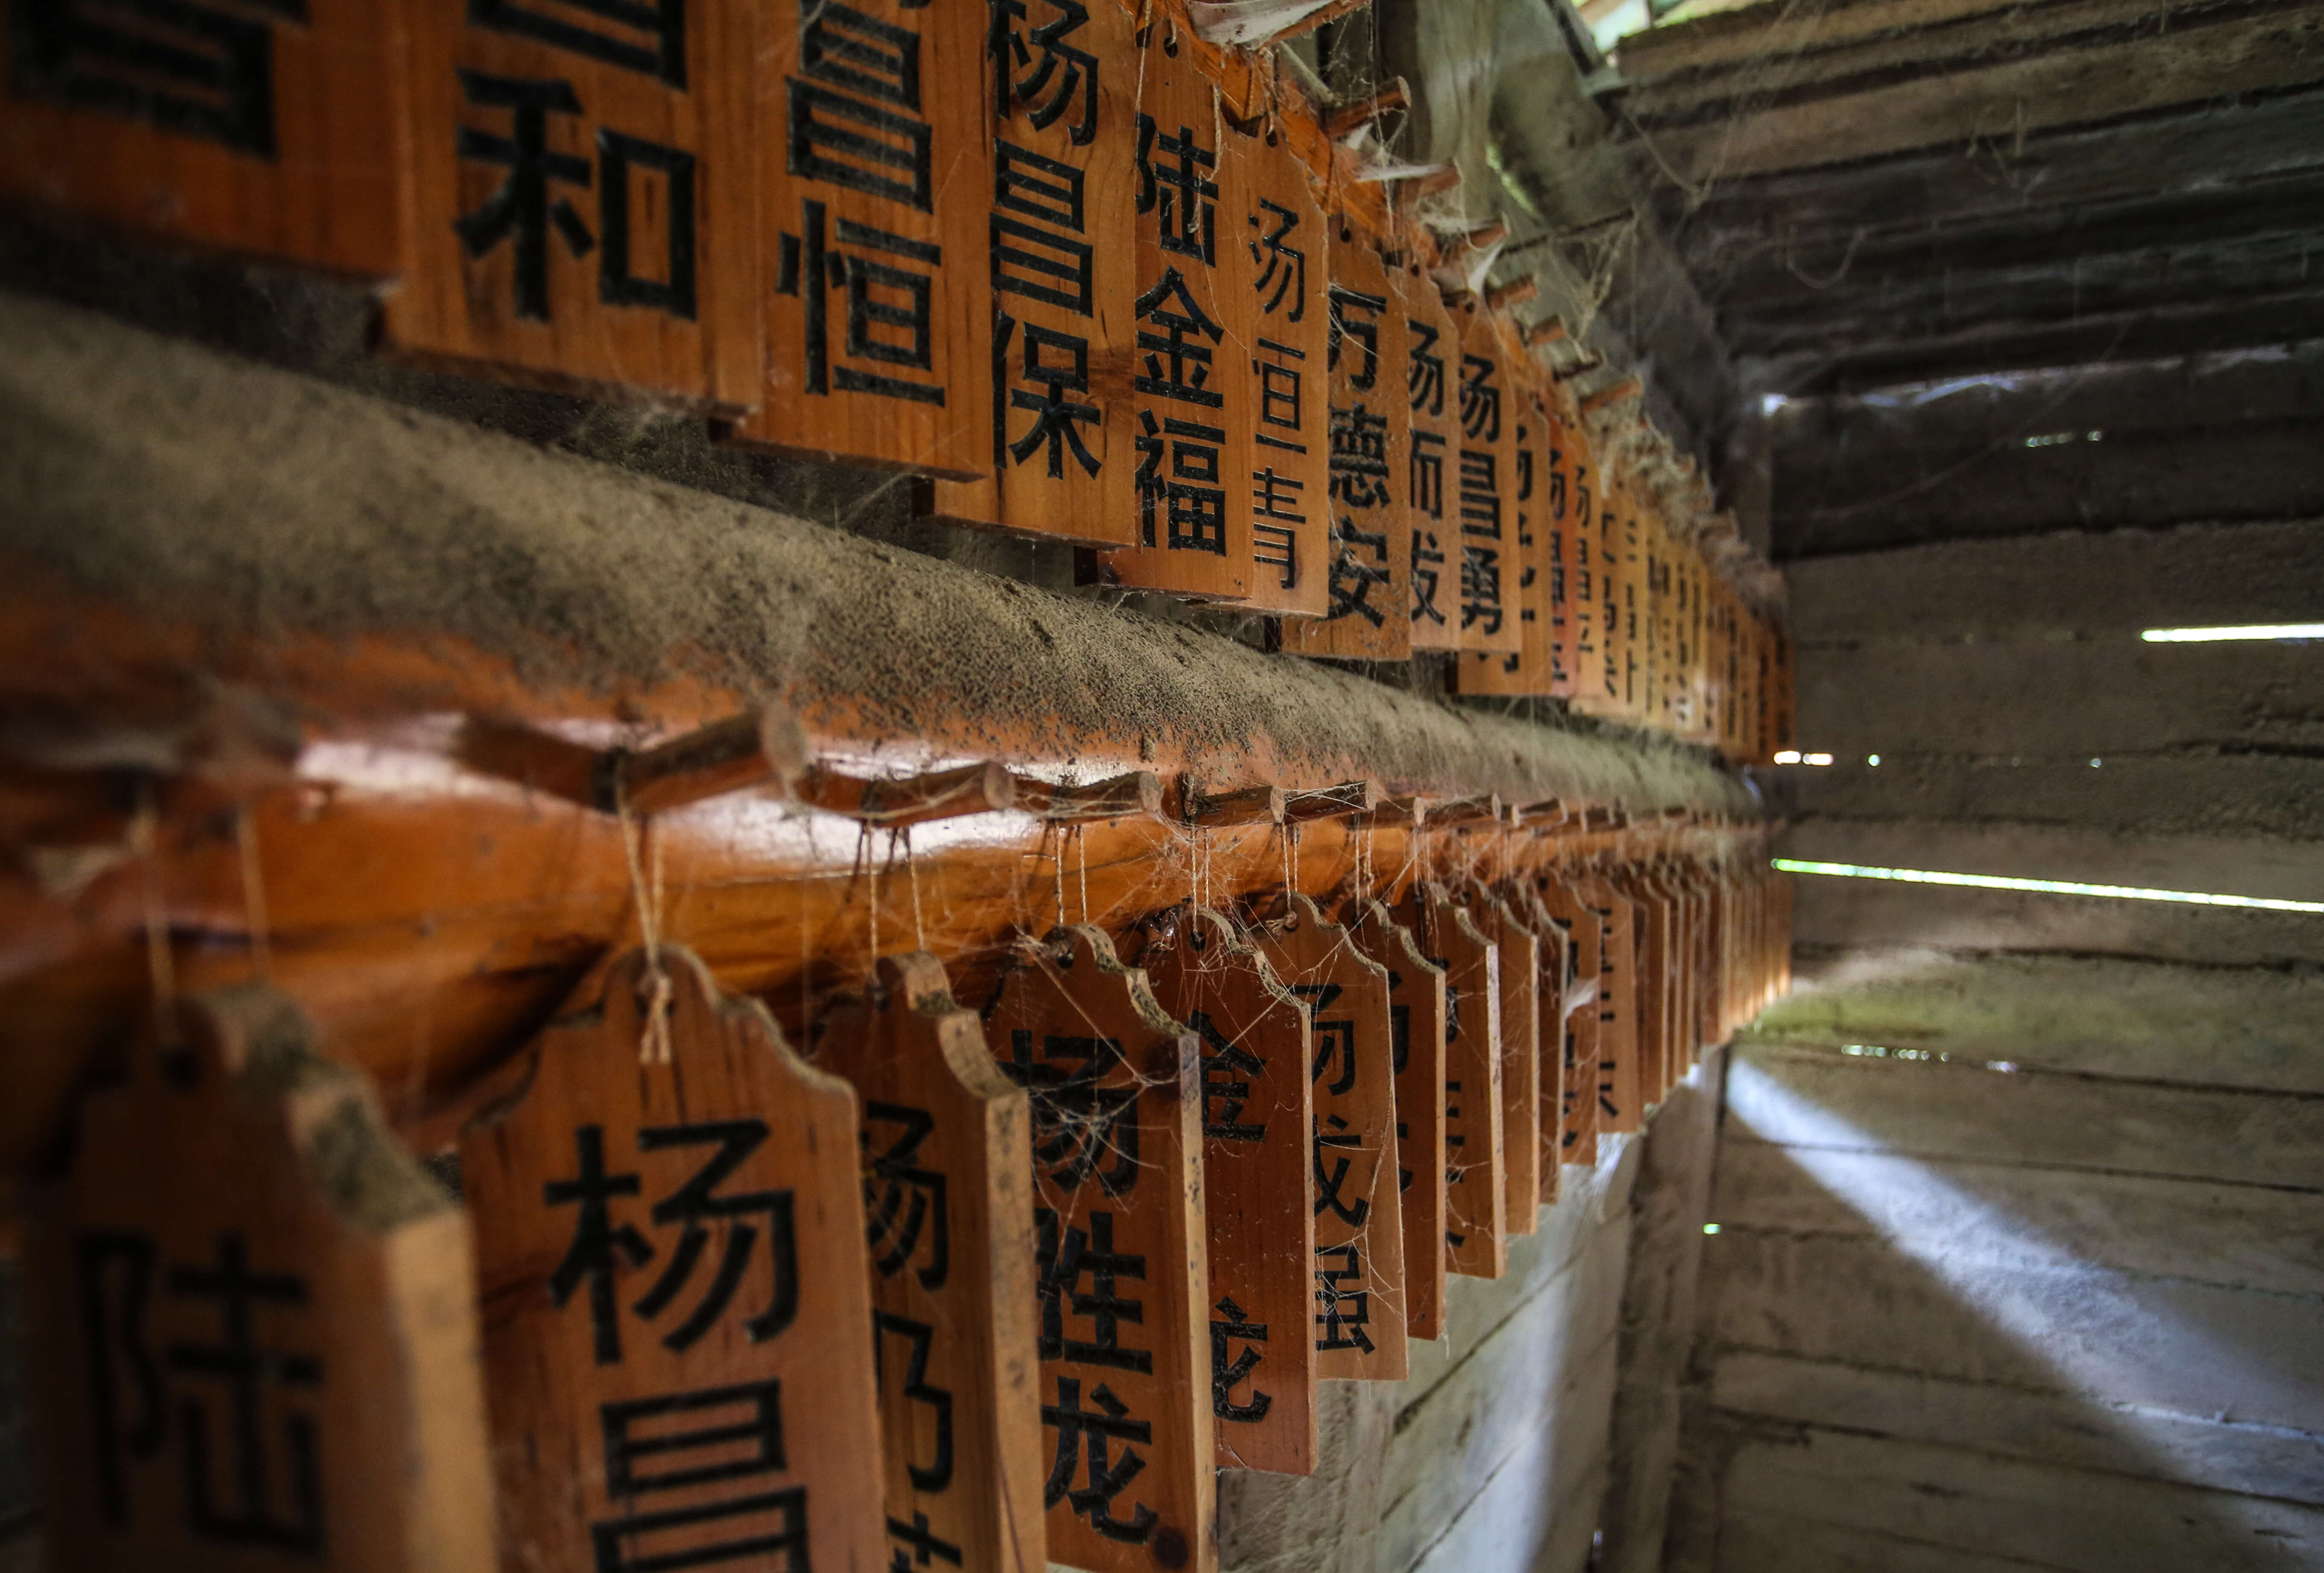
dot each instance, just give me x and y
(2018, 1200)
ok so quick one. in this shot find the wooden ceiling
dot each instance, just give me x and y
(1869, 192)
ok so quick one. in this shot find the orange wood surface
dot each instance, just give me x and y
(1257, 1051)
(876, 187)
(1550, 1029)
(947, 1162)
(1577, 1137)
(1359, 1263)
(1124, 1275)
(1476, 1219)
(1192, 374)
(1369, 547)
(238, 1240)
(1431, 482)
(669, 1247)
(1277, 268)
(1483, 480)
(639, 277)
(1521, 1078)
(1416, 1022)
(287, 154)
(1063, 269)
(1532, 669)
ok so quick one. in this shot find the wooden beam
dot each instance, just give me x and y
(2068, 86)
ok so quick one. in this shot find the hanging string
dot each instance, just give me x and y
(643, 848)
(1081, 845)
(254, 895)
(871, 886)
(912, 867)
(1284, 834)
(161, 963)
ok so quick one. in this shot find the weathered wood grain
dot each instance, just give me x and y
(1966, 1112)
(2074, 1431)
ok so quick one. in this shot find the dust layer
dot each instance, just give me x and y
(264, 504)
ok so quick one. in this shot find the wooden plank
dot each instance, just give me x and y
(2204, 576)
(1521, 969)
(1574, 580)
(1359, 1267)
(1476, 1220)
(1533, 667)
(2196, 63)
(2099, 1016)
(2258, 868)
(1064, 275)
(581, 205)
(1702, 46)
(1117, 1204)
(2045, 1428)
(1553, 983)
(2240, 1236)
(2005, 345)
(1195, 535)
(2014, 1513)
(2097, 697)
(1433, 378)
(1969, 1114)
(2123, 1342)
(875, 237)
(2249, 797)
(1258, 1166)
(637, 1393)
(949, 1217)
(1279, 265)
(1483, 478)
(2053, 172)
(270, 141)
(1621, 1000)
(1879, 914)
(1577, 1128)
(1416, 1001)
(257, 1318)
(1370, 580)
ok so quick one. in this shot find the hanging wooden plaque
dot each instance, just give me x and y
(1432, 348)
(876, 182)
(1063, 214)
(671, 1256)
(1258, 1190)
(581, 207)
(256, 1319)
(261, 130)
(947, 1166)
(1280, 266)
(1555, 979)
(1530, 669)
(1359, 1268)
(1369, 579)
(1618, 1103)
(1581, 652)
(1191, 426)
(1476, 1217)
(1123, 1265)
(1651, 941)
(1520, 994)
(1415, 994)
(1598, 689)
(1577, 1134)
(1484, 483)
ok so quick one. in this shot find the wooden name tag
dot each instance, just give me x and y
(1521, 1078)
(256, 1321)
(1619, 1106)
(1358, 1283)
(675, 1300)
(582, 206)
(1578, 1125)
(1258, 1123)
(1415, 994)
(264, 130)
(1550, 993)
(1124, 1279)
(1476, 1220)
(947, 1163)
